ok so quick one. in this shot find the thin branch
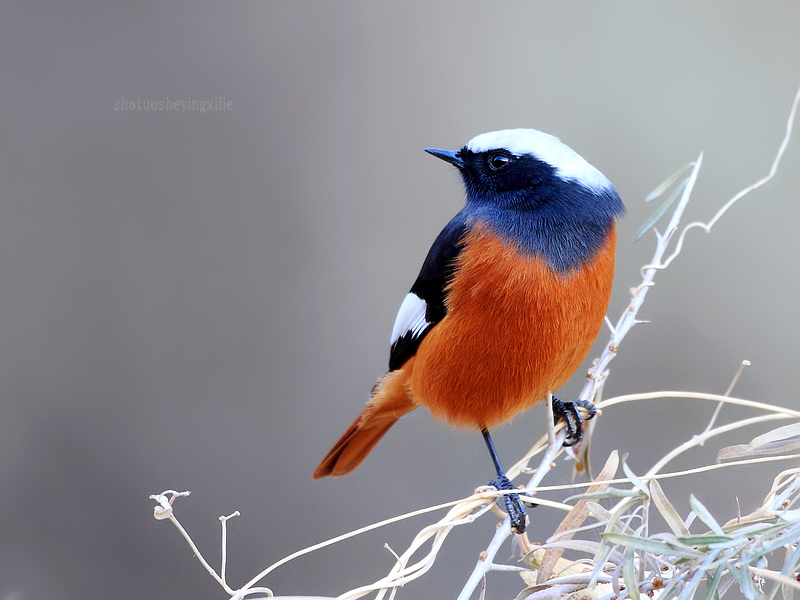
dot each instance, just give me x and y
(700, 396)
(773, 169)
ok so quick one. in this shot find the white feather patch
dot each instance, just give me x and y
(410, 317)
(568, 163)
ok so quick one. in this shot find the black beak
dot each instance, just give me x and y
(447, 155)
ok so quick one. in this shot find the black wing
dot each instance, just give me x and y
(424, 306)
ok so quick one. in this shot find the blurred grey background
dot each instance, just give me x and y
(202, 300)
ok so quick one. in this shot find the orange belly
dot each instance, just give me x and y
(514, 331)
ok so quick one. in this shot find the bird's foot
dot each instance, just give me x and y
(572, 418)
(513, 504)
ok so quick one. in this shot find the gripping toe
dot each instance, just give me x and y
(573, 422)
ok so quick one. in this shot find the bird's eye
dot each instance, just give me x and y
(498, 161)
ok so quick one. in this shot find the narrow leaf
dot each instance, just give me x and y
(605, 495)
(742, 577)
(664, 185)
(781, 433)
(666, 510)
(700, 573)
(770, 449)
(629, 574)
(637, 483)
(599, 512)
(660, 211)
(649, 545)
(711, 589)
(577, 516)
(705, 516)
(585, 546)
(703, 540)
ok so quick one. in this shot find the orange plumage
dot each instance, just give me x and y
(515, 330)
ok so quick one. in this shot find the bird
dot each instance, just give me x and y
(509, 300)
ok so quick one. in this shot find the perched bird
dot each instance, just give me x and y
(509, 300)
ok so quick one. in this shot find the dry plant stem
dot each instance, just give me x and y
(354, 533)
(462, 511)
(789, 413)
(684, 473)
(224, 522)
(745, 363)
(202, 560)
(401, 573)
(486, 563)
(699, 439)
(628, 319)
(773, 169)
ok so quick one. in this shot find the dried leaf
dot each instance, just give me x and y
(577, 516)
(585, 546)
(598, 512)
(781, 433)
(770, 449)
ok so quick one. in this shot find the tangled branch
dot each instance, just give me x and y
(628, 561)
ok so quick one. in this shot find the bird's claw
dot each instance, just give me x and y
(513, 504)
(572, 418)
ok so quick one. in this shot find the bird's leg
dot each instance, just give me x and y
(572, 418)
(512, 501)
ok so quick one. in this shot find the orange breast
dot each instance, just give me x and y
(514, 330)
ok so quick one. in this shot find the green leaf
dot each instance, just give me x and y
(711, 589)
(649, 545)
(637, 483)
(609, 493)
(600, 560)
(705, 516)
(700, 573)
(703, 540)
(660, 211)
(665, 185)
(742, 577)
(629, 574)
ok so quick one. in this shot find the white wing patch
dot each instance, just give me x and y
(410, 317)
(568, 163)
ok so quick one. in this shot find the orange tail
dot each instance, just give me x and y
(390, 401)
